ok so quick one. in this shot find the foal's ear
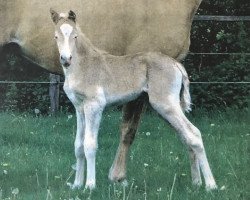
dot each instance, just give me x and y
(72, 16)
(54, 16)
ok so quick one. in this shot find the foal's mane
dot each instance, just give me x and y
(85, 41)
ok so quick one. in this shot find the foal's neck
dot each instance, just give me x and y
(85, 46)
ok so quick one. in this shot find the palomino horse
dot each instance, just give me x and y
(132, 26)
(95, 79)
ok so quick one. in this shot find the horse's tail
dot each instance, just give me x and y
(185, 95)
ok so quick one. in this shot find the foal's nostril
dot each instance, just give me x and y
(63, 58)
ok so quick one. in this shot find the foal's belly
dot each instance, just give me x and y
(106, 94)
(119, 97)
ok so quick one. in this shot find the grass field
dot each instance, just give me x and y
(36, 154)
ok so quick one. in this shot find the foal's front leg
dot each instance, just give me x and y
(79, 150)
(93, 112)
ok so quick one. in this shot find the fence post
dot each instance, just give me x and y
(54, 93)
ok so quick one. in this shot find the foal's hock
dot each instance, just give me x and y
(95, 79)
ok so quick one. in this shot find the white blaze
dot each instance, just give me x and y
(66, 31)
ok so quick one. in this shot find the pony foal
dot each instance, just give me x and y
(95, 79)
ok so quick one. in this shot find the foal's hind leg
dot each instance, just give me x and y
(131, 117)
(191, 136)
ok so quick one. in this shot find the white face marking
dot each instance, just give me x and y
(66, 30)
(63, 15)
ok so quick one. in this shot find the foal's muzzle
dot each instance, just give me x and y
(65, 61)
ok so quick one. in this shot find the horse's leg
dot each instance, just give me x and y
(79, 150)
(131, 117)
(93, 113)
(190, 135)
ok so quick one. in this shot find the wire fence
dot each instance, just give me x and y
(192, 82)
(221, 18)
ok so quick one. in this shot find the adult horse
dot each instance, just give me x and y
(117, 26)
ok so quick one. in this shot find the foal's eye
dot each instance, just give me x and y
(76, 36)
(56, 37)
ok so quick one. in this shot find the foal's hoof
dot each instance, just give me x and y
(211, 186)
(91, 185)
(74, 186)
(197, 182)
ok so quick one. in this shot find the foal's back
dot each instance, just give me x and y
(142, 65)
(142, 72)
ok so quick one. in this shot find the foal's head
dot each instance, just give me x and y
(65, 35)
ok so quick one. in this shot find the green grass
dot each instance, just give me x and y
(36, 154)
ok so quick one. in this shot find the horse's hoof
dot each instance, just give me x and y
(116, 176)
(124, 183)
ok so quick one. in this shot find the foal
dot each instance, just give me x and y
(95, 79)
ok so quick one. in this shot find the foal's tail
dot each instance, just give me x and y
(185, 95)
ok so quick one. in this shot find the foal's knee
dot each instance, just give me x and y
(194, 141)
(90, 146)
(79, 150)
